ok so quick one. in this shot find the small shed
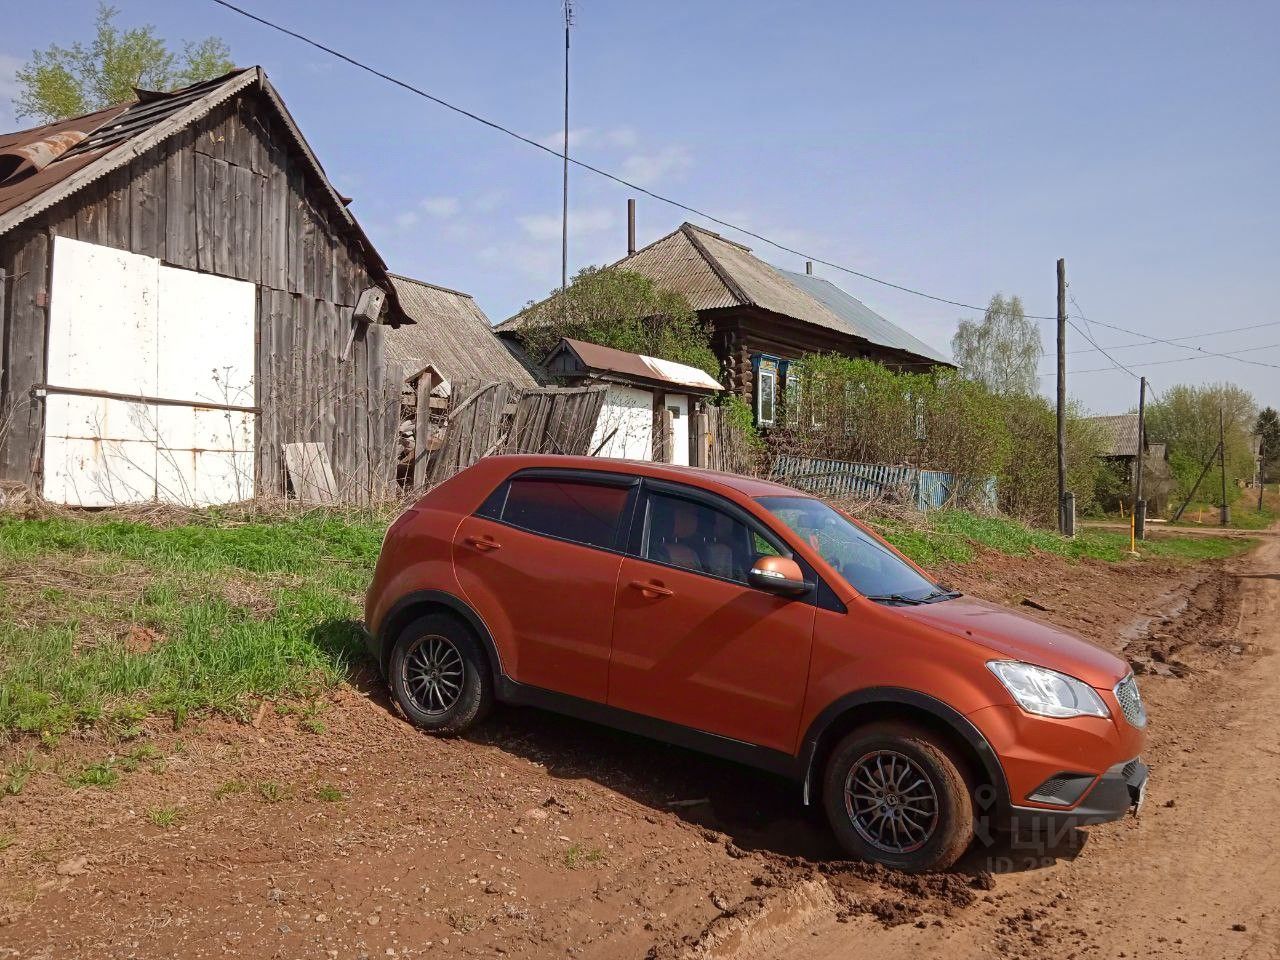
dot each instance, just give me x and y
(650, 406)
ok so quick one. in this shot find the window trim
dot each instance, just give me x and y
(598, 478)
(765, 366)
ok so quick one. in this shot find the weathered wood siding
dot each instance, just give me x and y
(232, 196)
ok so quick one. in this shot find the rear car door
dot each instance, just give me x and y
(693, 643)
(539, 563)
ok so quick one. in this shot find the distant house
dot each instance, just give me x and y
(183, 293)
(1120, 435)
(763, 318)
(650, 405)
(450, 333)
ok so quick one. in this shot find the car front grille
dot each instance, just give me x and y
(1131, 702)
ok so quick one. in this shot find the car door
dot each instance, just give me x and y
(539, 563)
(693, 643)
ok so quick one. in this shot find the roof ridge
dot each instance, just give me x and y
(723, 275)
(428, 283)
(712, 233)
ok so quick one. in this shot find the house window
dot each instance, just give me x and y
(917, 414)
(850, 402)
(766, 390)
(818, 399)
(793, 396)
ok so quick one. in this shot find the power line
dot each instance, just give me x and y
(493, 125)
(1194, 336)
(1115, 363)
(1160, 363)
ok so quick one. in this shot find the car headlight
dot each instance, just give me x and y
(1046, 692)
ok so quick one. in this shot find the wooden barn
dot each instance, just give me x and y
(183, 293)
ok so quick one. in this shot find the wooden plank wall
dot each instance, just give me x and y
(231, 196)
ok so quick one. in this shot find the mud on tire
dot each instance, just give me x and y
(440, 676)
(887, 816)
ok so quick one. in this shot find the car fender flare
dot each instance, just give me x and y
(439, 598)
(955, 721)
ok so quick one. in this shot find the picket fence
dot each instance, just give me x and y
(927, 489)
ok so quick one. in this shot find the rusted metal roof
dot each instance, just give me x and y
(451, 333)
(116, 135)
(636, 366)
(1120, 434)
(713, 272)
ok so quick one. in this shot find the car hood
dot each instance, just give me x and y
(1019, 637)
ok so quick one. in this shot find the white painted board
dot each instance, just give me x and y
(625, 427)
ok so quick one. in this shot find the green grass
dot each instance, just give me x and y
(955, 536)
(213, 653)
(579, 856)
(271, 792)
(329, 793)
(102, 775)
(16, 775)
(164, 816)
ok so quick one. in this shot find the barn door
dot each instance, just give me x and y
(126, 324)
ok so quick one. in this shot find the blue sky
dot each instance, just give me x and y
(959, 148)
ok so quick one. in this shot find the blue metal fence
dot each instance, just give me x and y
(927, 489)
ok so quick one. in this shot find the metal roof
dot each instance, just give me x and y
(861, 319)
(451, 333)
(1120, 435)
(637, 366)
(713, 272)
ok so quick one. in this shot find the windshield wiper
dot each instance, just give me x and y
(894, 598)
(942, 595)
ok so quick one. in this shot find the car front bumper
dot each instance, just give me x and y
(1120, 789)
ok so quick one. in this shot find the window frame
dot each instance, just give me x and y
(821, 596)
(494, 505)
(770, 368)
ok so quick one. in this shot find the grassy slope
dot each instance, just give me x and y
(108, 621)
(105, 621)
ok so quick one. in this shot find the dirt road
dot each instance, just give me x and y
(348, 834)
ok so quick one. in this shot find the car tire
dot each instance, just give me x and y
(440, 676)
(888, 817)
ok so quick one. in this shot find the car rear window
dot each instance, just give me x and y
(567, 509)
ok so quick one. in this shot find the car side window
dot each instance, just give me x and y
(696, 536)
(586, 513)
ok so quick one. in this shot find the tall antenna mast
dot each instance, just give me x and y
(564, 217)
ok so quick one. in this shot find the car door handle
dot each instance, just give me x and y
(485, 543)
(650, 589)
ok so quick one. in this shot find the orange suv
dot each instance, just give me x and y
(750, 621)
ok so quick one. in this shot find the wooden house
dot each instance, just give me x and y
(764, 319)
(184, 293)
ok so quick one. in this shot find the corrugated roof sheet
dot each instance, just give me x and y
(611, 360)
(119, 133)
(1120, 434)
(712, 272)
(861, 319)
(451, 333)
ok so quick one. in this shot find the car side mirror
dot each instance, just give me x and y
(780, 575)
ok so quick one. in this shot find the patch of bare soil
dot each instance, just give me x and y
(359, 837)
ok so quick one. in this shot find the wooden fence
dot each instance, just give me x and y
(483, 419)
(925, 489)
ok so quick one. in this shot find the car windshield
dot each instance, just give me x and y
(869, 567)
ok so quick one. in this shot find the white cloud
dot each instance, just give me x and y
(647, 169)
(442, 207)
(9, 65)
(582, 222)
(406, 219)
(489, 201)
(580, 137)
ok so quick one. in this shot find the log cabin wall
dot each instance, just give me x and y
(230, 195)
(739, 333)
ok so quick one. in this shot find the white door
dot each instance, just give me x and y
(677, 405)
(124, 323)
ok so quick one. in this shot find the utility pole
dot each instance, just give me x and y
(1139, 504)
(564, 221)
(1066, 509)
(1262, 462)
(1225, 513)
